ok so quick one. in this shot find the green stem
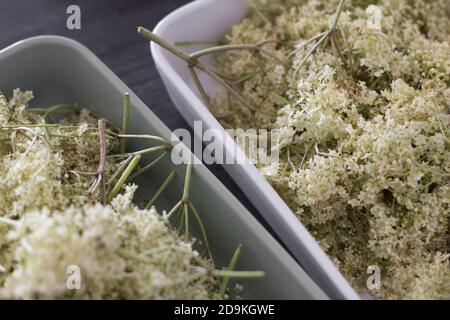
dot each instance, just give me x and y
(247, 77)
(150, 36)
(161, 189)
(310, 52)
(102, 163)
(132, 255)
(123, 178)
(252, 5)
(186, 219)
(150, 150)
(174, 209)
(185, 279)
(196, 43)
(187, 182)
(200, 87)
(143, 136)
(305, 44)
(232, 47)
(122, 166)
(238, 274)
(278, 99)
(338, 14)
(18, 126)
(141, 152)
(202, 229)
(149, 166)
(181, 217)
(125, 122)
(231, 266)
(55, 108)
(46, 138)
(164, 248)
(322, 39)
(336, 46)
(233, 92)
(28, 149)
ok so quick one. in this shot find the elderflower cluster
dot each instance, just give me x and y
(365, 157)
(131, 254)
(52, 221)
(42, 167)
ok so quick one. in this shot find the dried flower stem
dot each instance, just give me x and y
(144, 136)
(161, 189)
(238, 274)
(202, 229)
(122, 166)
(133, 255)
(231, 266)
(196, 43)
(107, 141)
(59, 107)
(141, 152)
(185, 204)
(252, 5)
(185, 199)
(322, 39)
(102, 163)
(200, 87)
(149, 166)
(187, 183)
(15, 126)
(174, 209)
(320, 35)
(126, 118)
(159, 249)
(124, 177)
(186, 219)
(232, 47)
(191, 61)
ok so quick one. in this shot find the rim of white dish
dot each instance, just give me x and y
(288, 217)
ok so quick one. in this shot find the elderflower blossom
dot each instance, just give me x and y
(365, 159)
(126, 255)
(50, 219)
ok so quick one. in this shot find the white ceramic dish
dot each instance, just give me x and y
(60, 70)
(210, 20)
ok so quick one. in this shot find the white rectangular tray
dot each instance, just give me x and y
(60, 70)
(210, 20)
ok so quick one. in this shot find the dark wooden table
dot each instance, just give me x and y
(108, 28)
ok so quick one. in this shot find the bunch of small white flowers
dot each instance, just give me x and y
(365, 158)
(54, 222)
(41, 166)
(120, 254)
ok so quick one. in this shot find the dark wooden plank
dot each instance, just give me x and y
(109, 30)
